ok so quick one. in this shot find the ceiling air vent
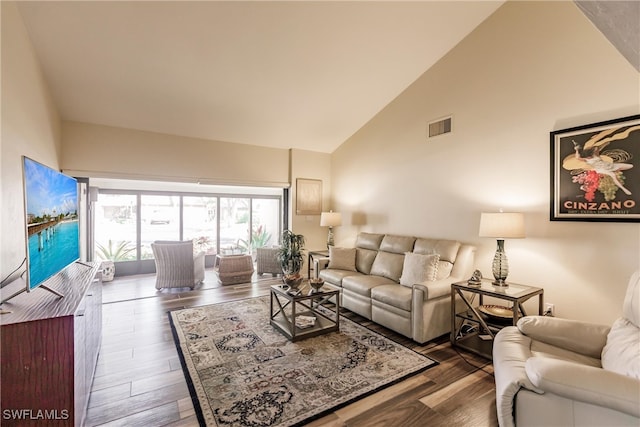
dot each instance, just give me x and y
(440, 127)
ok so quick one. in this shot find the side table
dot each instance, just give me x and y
(480, 339)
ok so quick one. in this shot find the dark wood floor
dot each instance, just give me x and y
(139, 380)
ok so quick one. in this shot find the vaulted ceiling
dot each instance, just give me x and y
(283, 74)
(294, 74)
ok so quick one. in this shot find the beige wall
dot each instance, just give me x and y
(310, 165)
(103, 151)
(531, 68)
(30, 127)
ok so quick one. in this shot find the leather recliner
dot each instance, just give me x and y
(559, 372)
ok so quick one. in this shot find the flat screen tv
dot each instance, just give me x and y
(52, 227)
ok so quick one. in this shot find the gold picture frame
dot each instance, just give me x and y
(308, 196)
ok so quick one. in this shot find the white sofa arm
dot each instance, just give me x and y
(587, 384)
(320, 263)
(580, 337)
(433, 289)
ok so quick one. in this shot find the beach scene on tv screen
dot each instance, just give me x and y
(51, 200)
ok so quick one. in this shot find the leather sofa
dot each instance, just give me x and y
(400, 282)
(559, 372)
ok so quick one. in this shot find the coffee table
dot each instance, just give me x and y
(289, 308)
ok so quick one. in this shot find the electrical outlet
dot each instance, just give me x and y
(549, 309)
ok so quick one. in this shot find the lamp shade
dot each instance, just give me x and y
(502, 225)
(330, 219)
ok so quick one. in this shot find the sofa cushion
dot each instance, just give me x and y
(362, 284)
(621, 353)
(388, 265)
(397, 244)
(393, 295)
(342, 258)
(444, 269)
(364, 259)
(418, 268)
(336, 276)
(369, 241)
(447, 249)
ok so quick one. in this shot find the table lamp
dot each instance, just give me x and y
(330, 219)
(501, 225)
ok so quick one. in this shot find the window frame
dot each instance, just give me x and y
(142, 266)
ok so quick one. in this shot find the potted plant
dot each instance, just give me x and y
(201, 244)
(259, 239)
(291, 257)
(118, 251)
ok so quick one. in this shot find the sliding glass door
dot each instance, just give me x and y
(234, 224)
(115, 229)
(265, 222)
(160, 220)
(200, 214)
(127, 222)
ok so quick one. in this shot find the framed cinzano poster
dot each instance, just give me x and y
(595, 172)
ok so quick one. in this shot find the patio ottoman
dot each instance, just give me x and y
(233, 269)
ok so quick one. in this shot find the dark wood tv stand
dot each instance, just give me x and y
(49, 348)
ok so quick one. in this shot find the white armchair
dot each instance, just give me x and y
(267, 261)
(176, 264)
(559, 372)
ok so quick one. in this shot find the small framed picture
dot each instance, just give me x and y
(595, 172)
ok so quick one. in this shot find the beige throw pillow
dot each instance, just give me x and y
(342, 258)
(418, 268)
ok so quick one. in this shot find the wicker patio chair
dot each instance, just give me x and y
(267, 261)
(176, 264)
(233, 269)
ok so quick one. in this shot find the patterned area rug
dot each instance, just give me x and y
(243, 372)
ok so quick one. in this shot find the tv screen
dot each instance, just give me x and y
(52, 235)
